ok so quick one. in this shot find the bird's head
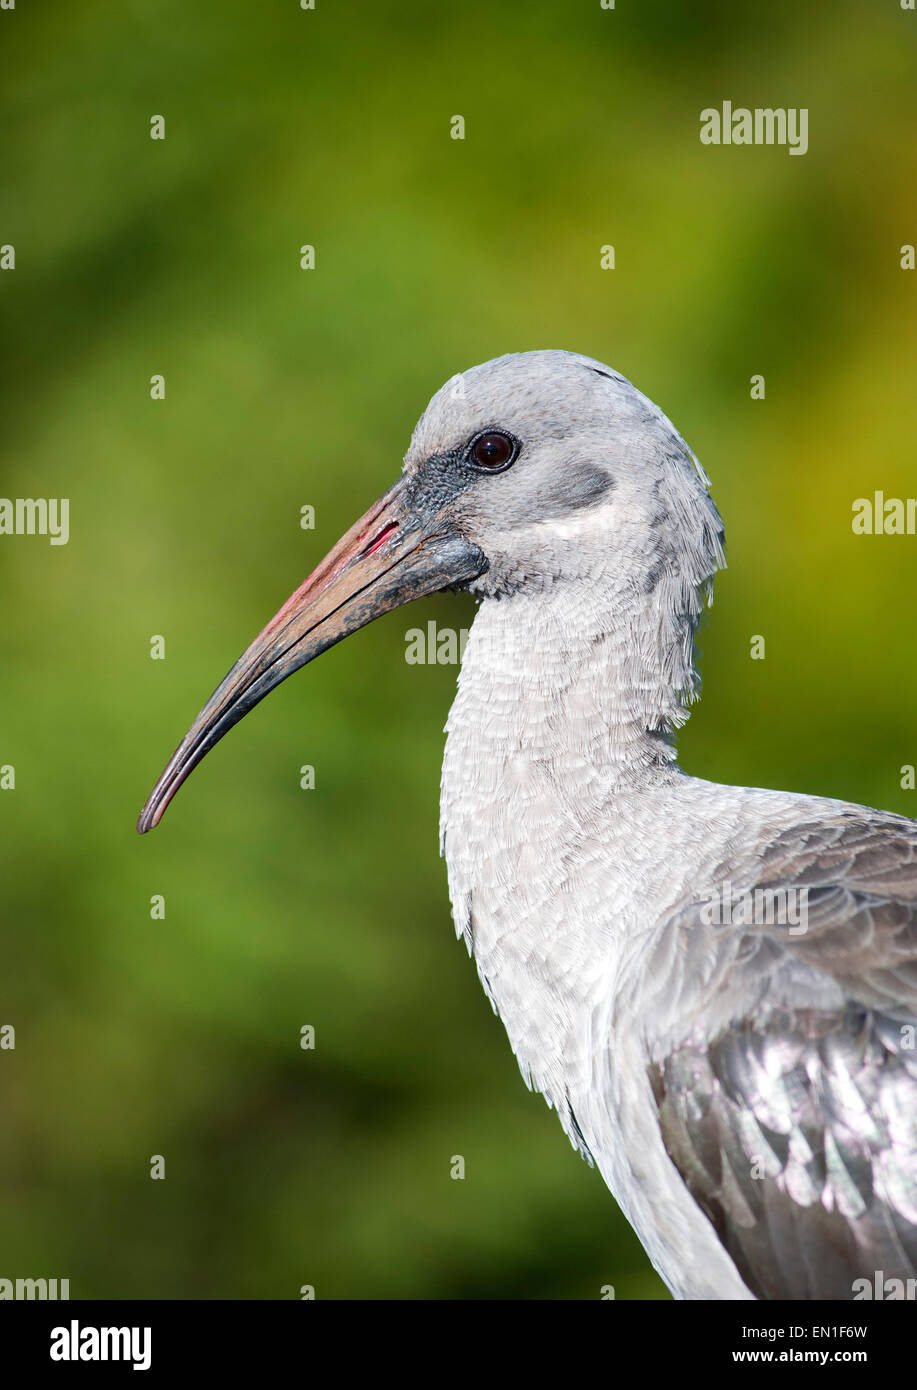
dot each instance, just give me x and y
(528, 472)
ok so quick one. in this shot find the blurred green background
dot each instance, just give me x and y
(286, 387)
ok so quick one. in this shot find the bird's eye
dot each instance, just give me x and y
(494, 450)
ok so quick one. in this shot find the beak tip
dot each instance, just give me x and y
(149, 817)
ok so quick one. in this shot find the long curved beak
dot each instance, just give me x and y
(394, 553)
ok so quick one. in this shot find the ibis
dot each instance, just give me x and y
(715, 987)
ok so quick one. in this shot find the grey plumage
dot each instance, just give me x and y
(795, 1130)
(746, 1087)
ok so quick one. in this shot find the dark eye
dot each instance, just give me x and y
(494, 450)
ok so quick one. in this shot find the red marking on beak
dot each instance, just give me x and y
(380, 540)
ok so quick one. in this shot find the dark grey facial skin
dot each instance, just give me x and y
(443, 479)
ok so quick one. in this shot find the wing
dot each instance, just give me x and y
(794, 1128)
